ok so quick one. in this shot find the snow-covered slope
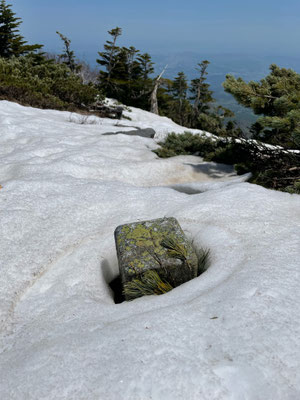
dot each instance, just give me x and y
(232, 333)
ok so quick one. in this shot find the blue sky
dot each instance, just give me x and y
(270, 27)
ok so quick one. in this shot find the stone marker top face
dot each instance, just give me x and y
(139, 249)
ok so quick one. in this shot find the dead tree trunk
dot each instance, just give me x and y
(153, 97)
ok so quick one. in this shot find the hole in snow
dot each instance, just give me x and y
(112, 280)
(116, 287)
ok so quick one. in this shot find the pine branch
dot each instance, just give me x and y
(149, 283)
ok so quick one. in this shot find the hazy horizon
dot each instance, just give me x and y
(256, 28)
(236, 37)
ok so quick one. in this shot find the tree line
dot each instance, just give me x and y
(31, 76)
(128, 76)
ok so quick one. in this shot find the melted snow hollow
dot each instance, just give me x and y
(232, 333)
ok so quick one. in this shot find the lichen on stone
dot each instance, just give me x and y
(140, 249)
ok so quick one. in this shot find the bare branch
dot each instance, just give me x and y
(153, 98)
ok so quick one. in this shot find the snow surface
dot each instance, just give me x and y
(233, 333)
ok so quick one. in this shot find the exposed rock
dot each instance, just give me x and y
(104, 111)
(147, 133)
(147, 245)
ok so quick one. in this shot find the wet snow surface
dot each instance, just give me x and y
(232, 333)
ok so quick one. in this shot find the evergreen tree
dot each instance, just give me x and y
(11, 42)
(277, 99)
(133, 66)
(201, 94)
(124, 77)
(181, 107)
(126, 73)
(206, 115)
(68, 55)
(130, 85)
(108, 59)
(145, 82)
(146, 66)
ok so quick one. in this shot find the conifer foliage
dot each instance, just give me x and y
(205, 114)
(68, 55)
(109, 59)
(276, 98)
(12, 43)
(126, 76)
(179, 91)
(125, 72)
(201, 94)
(39, 82)
(35, 78)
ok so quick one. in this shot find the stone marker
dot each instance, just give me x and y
(139, 249)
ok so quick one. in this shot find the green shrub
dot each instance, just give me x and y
(241, 168)
(273, 168)
(33, 80)
(185, 144)
(25, 95)
(225, 154)
(293, 189)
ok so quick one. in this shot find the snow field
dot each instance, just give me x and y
(232, 333)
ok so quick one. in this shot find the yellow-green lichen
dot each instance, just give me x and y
(140, 249)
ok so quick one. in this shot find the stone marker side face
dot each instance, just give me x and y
(139, 249)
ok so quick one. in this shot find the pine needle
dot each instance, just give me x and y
(175, 249)
(150, 283)
(147, 284)
(203, 260)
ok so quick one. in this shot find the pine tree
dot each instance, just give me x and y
(206, 115)
(180, 87)
(68, 55)
(126, 72)
(11, 42)
(133, 66)
(201, 94)
(134, 87)
(201, 116)
(277, 99)
(181, 108)
(146, 66)
(108, 59)
(145, 82)
(123, 81)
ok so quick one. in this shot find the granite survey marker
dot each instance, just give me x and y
(140, 248)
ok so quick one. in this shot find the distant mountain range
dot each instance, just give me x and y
(248, 67)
